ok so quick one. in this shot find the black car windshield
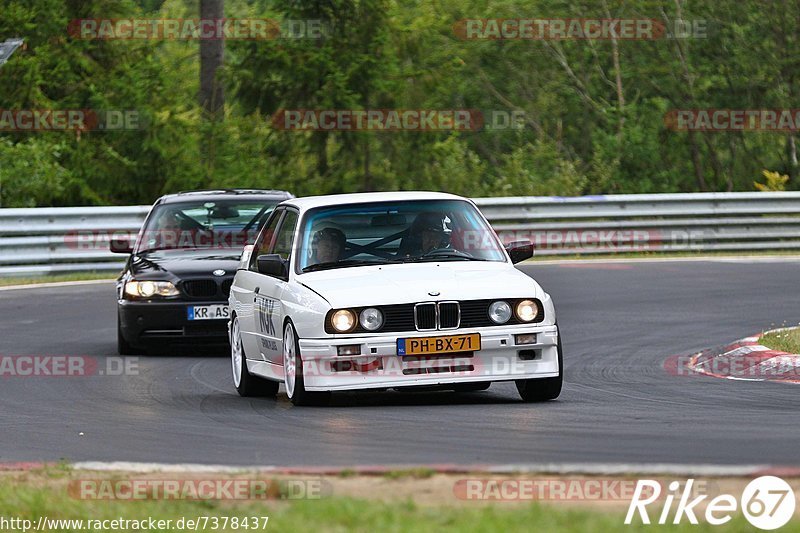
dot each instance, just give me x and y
(395, 232)
(225, 224)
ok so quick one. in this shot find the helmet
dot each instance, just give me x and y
(430, 222)
(435, 222)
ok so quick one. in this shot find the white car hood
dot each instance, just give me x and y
(413, 282)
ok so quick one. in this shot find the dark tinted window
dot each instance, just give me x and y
(265, 238)
(285, 239)
(203, 224)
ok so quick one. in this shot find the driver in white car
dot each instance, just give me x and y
(429, 231)
(327, 246)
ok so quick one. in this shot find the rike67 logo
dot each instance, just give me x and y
(767, 502)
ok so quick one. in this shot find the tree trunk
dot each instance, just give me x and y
(791, 153)
(211, 95)
(699, 176)
(617, 79)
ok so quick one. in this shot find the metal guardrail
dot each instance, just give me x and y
(748, 221)
(73, 239)
(64, 239)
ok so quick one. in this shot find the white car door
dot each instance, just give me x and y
(247, 281)
(269, 308)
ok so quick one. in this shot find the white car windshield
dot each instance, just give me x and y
(395, 232)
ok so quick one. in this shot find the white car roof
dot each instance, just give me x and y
(310, 202)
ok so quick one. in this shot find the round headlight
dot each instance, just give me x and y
(343, 320)
(527, 310)
(500, 312)
(371, 319)
(147, 288)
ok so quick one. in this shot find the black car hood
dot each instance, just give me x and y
(184, 263)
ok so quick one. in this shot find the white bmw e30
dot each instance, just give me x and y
(388, 290)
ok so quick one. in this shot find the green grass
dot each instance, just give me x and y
(78, 276)
(787, 340)
(416, 473)
(28, 498)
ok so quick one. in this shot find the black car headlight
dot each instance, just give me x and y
(150, 289)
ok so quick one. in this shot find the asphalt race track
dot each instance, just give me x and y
(620, 321)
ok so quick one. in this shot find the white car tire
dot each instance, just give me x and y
(543, 389)
(293, 372)
(246, 384)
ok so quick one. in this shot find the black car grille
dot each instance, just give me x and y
(425, 316)
(449, 315)
(226, 287)
(421, 317)
(475, 314)
(398, 317)
(207, 288)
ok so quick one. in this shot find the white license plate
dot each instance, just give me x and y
(207, 312)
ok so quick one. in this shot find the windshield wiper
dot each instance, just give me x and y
(442, 254)
(345, 263)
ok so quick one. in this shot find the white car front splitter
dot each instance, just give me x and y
(379, 366)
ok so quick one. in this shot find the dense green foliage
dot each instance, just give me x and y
(593, 109)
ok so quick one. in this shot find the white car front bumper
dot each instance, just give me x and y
(379, 366)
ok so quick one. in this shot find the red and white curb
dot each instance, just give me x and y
(747, 360)
(570, 469)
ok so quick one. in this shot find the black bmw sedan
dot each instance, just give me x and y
(174, 287)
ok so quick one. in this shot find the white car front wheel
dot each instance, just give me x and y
(543, 389)
(246, 384)
(293, 372)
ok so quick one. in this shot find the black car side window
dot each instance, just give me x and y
(265, 238)
(283, 243)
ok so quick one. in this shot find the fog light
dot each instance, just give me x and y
(528, 338)
(349, 349)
